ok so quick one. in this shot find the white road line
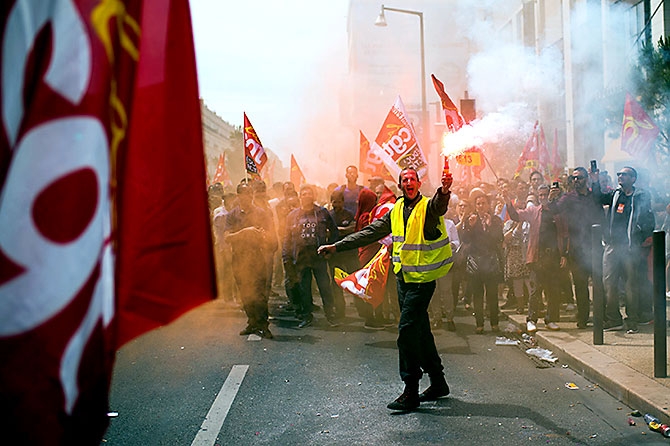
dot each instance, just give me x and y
(211, 427)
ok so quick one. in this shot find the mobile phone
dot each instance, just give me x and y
(594, 166)
(555, 185)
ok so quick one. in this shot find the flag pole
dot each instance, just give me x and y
(488, 163)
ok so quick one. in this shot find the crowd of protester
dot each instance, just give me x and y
(523, 244)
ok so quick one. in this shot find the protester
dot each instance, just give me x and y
(580, 210)
(351, 189)
(543, 258)
(346, 261)
(250, 232)
(421, 254)
(484, 237)
(628, 229)
(306, 228)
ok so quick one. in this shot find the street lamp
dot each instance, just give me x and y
(425, 130)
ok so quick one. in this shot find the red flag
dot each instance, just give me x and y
(638, 132)
(254, 153)
(397, 145)
(221, 173)
(369, 282)
(104, 123)
(535, 155)
(452, 116)
(296, 176)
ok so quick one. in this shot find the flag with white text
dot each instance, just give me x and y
(105, 226)
(254, 153)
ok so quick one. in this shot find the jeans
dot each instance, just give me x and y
(319, 269)
(621, 263)
(416, 345)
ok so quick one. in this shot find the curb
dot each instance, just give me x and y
(629, 386)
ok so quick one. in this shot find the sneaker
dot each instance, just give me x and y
(531, 327)
(451, 326)
(306, 322)
(613, 326)
(374, 325)
(406, 401)
(265, 333)
(570, 307)
(632, 330)
(584, 325)
(247, 331)
(333, 322)
(552, 326)
(434, 392)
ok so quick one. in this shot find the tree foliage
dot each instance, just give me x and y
(652, 87)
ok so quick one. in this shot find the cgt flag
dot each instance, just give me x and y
(296, 176)
(369, 162)
(105, 230)
(254, 153)
(369, 282)
(638, 132)
(397, 145)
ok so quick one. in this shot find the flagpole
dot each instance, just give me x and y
(488, 163)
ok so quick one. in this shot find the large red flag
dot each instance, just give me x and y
(369, 282)
(254, 153)
(535, 155)
(452, 116)
(98, 119)
(397, 144)
(296, 175)
(639, 131)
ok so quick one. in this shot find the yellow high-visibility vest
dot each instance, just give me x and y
(421, 260)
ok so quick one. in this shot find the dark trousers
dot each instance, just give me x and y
(319, 269)
(416, 345)
(581, 268)
(621, 263)
(544, 273)
(478, 283)
(252, 285)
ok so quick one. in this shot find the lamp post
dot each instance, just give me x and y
(425, 128)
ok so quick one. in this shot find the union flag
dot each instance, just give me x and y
(369, 282)
(254, 153)
(221, 174)
(535, 155)
(369, 162)
(103, 212)
(639, 131)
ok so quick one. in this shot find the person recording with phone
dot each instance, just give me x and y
(579, 209)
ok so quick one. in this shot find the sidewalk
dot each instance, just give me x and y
(623, 366)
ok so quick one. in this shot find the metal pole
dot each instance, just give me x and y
(660, 317)
(598, 298)
(425, 126)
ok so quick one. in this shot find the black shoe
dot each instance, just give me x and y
(406, 401)
(584, 325)
(306, 322)
(434, 392)
(265, 333)
(451, 326)
(247, 331)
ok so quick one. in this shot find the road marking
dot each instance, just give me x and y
(211, 427)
